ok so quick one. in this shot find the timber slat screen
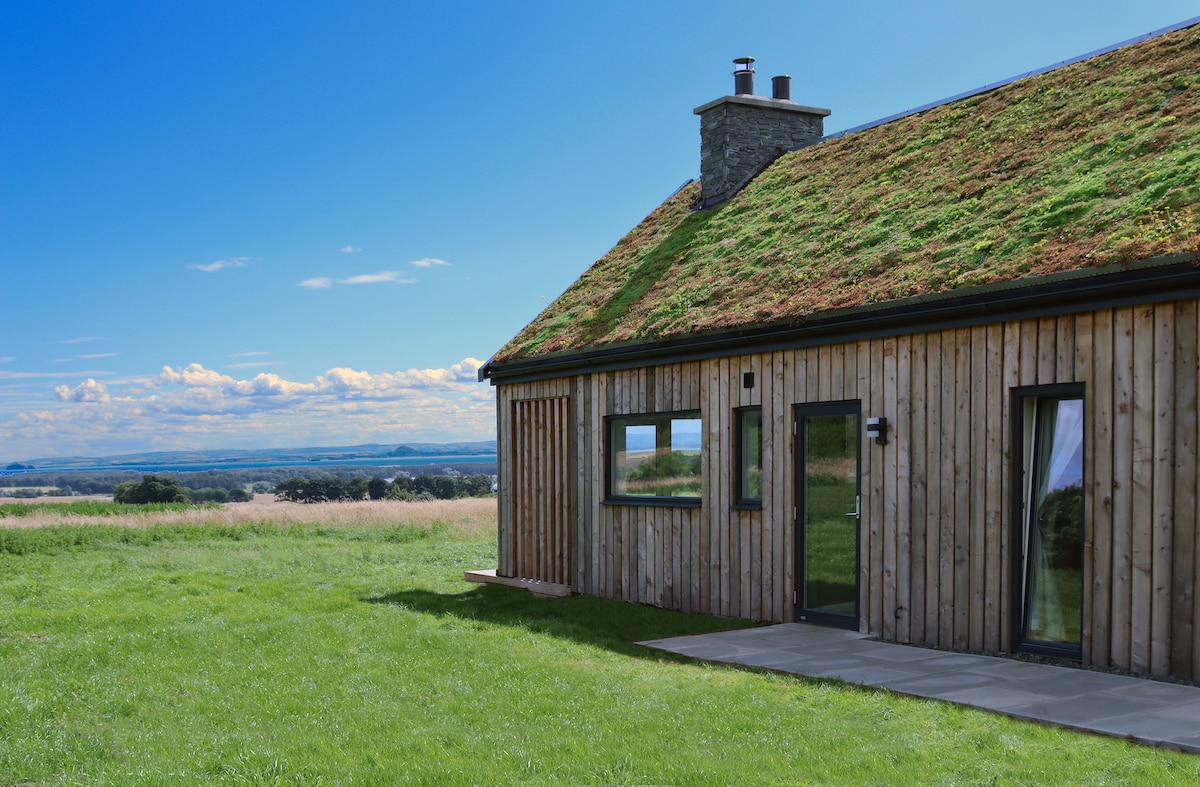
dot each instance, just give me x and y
(538, 500)
(937, 520)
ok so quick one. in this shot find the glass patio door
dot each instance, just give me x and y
(1051, 527)
(828, 513)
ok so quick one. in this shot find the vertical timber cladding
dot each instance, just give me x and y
(536, 541)
(936, 549)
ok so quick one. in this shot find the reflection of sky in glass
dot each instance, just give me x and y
(685, 434)
(639, 438)
(1066, 459)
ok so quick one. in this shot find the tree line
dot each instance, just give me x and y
(422, 487)
(204, 483)
(167, 489)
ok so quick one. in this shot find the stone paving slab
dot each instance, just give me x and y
(1147, 711)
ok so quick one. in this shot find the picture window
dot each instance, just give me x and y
(655, 457)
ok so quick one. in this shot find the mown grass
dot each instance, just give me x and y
(308, 654)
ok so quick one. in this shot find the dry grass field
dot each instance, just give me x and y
(465, 517)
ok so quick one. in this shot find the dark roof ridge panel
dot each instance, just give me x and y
(1015, 78)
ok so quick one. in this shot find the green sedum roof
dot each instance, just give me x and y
(1092, 164)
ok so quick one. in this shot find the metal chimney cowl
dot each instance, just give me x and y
(743, 76)
(781, 88)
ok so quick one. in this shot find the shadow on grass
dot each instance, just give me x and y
(614, 625)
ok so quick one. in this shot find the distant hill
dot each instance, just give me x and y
(314, 453)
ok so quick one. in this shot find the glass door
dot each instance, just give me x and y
(1051, 528)
(828, 513)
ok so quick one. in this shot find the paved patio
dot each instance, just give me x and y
(1151, 712)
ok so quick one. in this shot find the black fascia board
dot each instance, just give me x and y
(1171, 278)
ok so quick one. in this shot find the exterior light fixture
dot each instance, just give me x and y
(877, 428)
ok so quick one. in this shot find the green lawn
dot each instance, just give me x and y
(252, 654)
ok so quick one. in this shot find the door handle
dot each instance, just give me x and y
(857, 506)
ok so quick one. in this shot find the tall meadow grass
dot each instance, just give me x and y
(465, 517)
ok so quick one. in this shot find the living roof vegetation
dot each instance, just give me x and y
(1090, 165)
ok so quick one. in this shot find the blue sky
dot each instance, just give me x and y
(273, 224)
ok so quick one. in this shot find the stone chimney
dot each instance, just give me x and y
(743, 133)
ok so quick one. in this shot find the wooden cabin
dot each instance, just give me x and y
(934, 379)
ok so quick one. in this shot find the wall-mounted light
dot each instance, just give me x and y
(748, 379)
(877, 428)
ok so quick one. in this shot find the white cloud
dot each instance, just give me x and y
(212, 267)
(195, 407)
(87, 391)
(349, 250)
(82, 340)
(428, 262)
(7, 375)
(384, 277)
(7, 358)
(93, 356)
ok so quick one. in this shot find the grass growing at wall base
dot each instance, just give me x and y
(255, 654)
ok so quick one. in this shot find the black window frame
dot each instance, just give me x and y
(1019, 600)
(611, 497)
(742, 501)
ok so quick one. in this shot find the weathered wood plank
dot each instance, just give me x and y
(871, 509)
(902, 487)
(1122, 486)
(1163, 489)
(824, 356)
(522, 535)
(712, 560)
(648, 550)
(597, 453)
(870, 541)
(837, 372)
(947, 513)
(1083, 349)
(746, 561)
(885, 506)
(1064, 358)
(980, 405)
(1047, 368)
(730, 542)
(1029, 352)
(962, 488)
(1102, 484)
(767, 522)
(935, 469)
(1012, 376)
(994, 503)
(603, 408)
(549, 492)
(777, 426)
(1143, 486)
(919, 474)
(1183, 557)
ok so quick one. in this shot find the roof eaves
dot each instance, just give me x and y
(1155, 279)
